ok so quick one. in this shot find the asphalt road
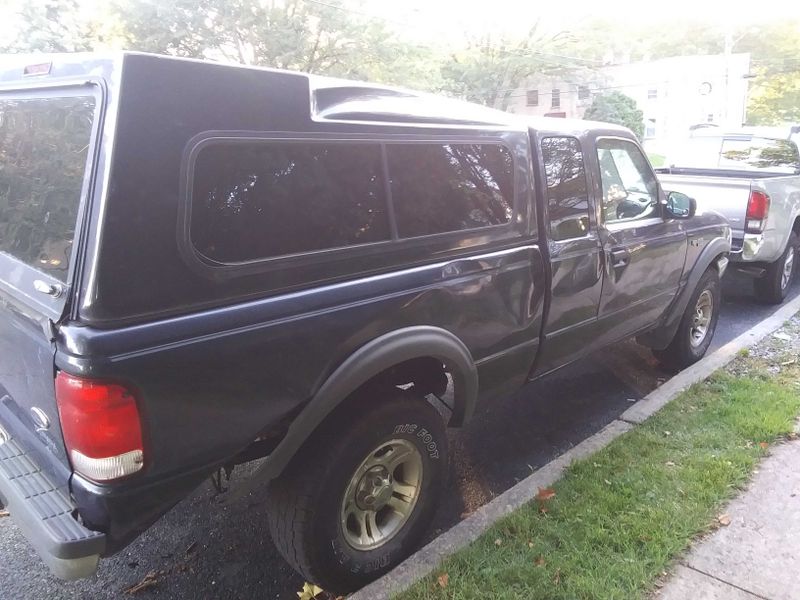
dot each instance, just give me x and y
(203, 549)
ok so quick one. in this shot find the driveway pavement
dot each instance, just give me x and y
(202, 549)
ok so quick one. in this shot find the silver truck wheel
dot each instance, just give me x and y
(696, 329)
(774, 286)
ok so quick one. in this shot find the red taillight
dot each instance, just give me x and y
(757, 209)
(101, 427)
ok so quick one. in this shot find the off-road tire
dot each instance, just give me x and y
(306, 501)
(771, 288)
(681, 352)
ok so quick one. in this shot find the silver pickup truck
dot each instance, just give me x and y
(754, 182)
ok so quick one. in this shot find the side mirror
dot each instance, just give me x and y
(680, 206)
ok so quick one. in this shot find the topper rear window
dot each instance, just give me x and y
(44, 148)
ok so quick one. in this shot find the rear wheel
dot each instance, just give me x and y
(359, 496)
(773, 287)
(697, 326)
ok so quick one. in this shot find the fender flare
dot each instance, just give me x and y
(365, 363)
(661, 337)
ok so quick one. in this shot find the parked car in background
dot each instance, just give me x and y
(754, 182)
(203, 265)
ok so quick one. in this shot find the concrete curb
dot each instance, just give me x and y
(427, 559)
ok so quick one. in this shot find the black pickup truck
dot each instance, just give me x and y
(204, 265)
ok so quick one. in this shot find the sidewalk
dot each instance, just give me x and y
(757, 556)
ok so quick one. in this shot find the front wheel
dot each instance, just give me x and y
(697, 326)
(359, 496)
(773, 287)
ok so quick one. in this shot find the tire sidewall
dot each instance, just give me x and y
(422, 428)
(709, 282)
(770, 286)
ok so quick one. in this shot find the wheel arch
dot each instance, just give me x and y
(365, 364)
(661, 337)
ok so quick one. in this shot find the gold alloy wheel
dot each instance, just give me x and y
(703, 311)
(381, 495)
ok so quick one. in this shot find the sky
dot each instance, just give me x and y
(443, 21)
(456, 17)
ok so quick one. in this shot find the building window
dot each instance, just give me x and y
(710, 118)
(652, 94)
(533, 97)
(583, 92)
(556, 99)
(650, 128)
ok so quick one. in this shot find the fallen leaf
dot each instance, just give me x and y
(724, 520)
(607, 481)
(498, 542)
(443, 580)
(4, 513)
(764, 445)
(667, 433)
(539, 562)
(151, 579)
(530, 544)
(545, 494)
(309, 591)
(669, 463)
(792, 436)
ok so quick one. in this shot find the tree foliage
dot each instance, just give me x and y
(616, 107)
(51, 26)
(491, 68)
(329, 38)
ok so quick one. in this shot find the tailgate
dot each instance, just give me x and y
(46, 138)
(726, 195)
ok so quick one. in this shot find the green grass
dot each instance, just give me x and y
(620, 518)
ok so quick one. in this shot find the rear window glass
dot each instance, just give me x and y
(567, 191)
(760, 154)
(255, 200)
(438, 188)
(44, 146)
(739, 154)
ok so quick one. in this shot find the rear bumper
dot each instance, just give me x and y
(44, 513)
(756, 247)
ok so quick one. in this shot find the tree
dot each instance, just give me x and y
(51, 26)
(331, 38)
(616, 107)
(775, 88)
(490, 69)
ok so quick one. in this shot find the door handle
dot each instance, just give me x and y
(619, 258)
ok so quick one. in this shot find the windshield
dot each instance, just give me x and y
(44, 146)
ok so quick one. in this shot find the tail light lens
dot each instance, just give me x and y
(101, 426)
(757, 209)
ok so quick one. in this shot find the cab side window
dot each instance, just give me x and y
(567, 190)
(630, 190)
